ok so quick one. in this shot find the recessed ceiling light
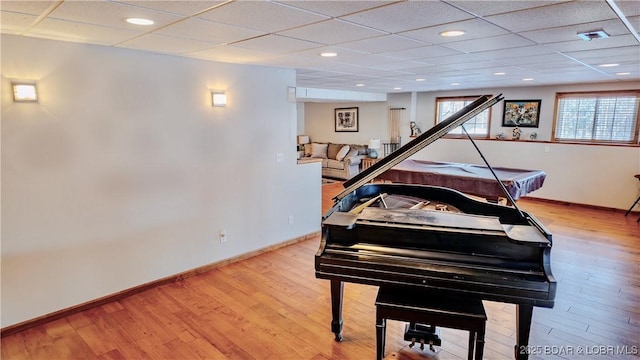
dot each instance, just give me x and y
(139, 21)
(420, 79)
(608, 65)
(328, 54)
(499, 73)
(623, 73)
(397, 88)
(359, 85)
(455, 84)
(527, 79)
(451, 33)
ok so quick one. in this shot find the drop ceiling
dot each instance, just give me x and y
(381, 46)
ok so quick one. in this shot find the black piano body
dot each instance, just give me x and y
(455, 245)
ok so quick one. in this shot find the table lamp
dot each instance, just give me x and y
(374, 145)
(302, 140)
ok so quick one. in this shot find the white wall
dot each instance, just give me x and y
(581, 174)
(372, 119)
(584, 174)
(124, 173)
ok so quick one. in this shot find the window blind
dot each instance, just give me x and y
(597, 117)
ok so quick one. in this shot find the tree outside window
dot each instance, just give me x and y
(605, 117)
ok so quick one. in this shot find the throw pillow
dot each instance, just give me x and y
(352, 152)
(362, 149)
(332, 150)
(307, 150)
(319, 150)
(342, 153)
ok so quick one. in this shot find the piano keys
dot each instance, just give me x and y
(435, 238)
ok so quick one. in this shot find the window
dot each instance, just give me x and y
(606, 117)
(478, 126)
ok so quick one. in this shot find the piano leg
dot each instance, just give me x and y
(523, 328)
(337, 288)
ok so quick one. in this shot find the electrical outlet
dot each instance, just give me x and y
(290, 219)
(223, 236)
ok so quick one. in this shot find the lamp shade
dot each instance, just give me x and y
(303, 139)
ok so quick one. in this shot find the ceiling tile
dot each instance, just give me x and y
(543, 60)
(15, 23)
(635, 22)
(276, 43)
(164, 44)
(487, 67)
(261, 15)
(386, 43)
(521, 52)
(627, 51)
(182, 7)
(611, 42)
(508, 41)
(629, 7)
(399, 65)
(382, 44)
(474, 29)
(232, 54)
(408, 16)
(335, 8)
(203, 30)
(570, 33)
(437, 53)
(492, 7)
(110, 14)
(78, 32)
(345, 57)
(423, 52)
(568, 13)
(26, 7)
(335, 67)
(332, 32)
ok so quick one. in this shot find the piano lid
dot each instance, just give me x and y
(417, 144)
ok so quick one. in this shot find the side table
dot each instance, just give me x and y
(367, 163)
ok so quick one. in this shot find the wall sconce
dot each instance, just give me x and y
(23, 92)
(219, 98)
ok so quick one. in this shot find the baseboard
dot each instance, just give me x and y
(16, 328)
(587, 206)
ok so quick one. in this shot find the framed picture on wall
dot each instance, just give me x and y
(346, 119)
(521, 113)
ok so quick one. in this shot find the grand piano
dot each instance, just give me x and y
(435, 239)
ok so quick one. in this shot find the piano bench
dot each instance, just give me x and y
(426, 307)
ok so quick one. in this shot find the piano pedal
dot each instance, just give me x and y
(424, 334)
(427, 333)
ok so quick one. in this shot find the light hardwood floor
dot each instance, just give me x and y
(272, 307)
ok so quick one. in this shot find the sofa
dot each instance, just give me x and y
(339, 161)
